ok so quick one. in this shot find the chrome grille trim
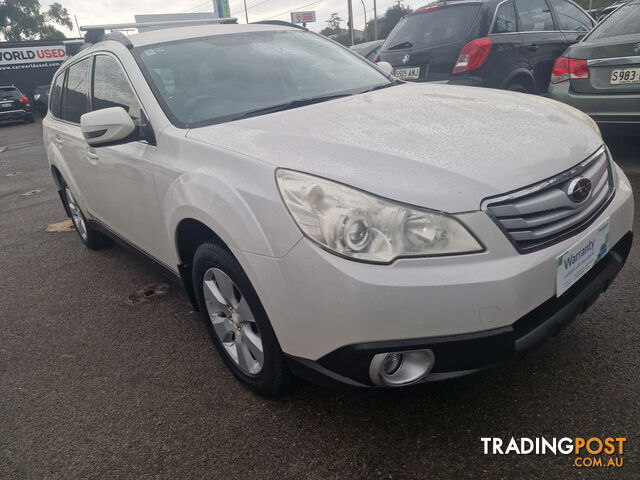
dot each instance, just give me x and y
(542, 214)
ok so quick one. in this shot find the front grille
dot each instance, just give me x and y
(540, 215)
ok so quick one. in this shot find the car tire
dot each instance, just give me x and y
(30, 119)
(518, 87)
(91, 238)
(237, 323)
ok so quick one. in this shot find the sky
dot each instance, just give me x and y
(122, 11)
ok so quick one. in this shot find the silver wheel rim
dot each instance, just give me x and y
(232, 321)
(76, 215)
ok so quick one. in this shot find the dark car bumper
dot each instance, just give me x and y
(468, 81)
(13, 115)
(462, 355)
(614, 113)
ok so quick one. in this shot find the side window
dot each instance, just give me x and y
(534, 15)
(571, 18)
(111, 88)
(56, 95)
(76, 93)
(505, 19)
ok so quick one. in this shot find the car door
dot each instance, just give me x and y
(504, 58)
(123, 194)
(542, 42)
(68, 137)
(572, 20)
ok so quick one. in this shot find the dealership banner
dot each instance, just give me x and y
(223, 8)
(32, 56)
(303, 17)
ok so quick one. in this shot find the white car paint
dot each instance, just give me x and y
(405, 137)
(435, 146)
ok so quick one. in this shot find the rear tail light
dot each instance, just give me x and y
(23, 100)
(566, 68)
(473, 55)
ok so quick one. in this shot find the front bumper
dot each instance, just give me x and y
(614, 113)
(13, 115)
(331, 314)
(462, 355)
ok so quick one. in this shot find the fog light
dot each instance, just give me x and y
(396, 369)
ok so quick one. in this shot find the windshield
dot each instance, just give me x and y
(9, 93)
(225, 77)
(435, 26)
(624, 21)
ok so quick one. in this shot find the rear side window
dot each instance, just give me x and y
(505, 19)
(571, 18)
(624, 21)
(535, 16)
(434, 26)
(111, 88)
(9, 93)
(76, 94)
(56, 96)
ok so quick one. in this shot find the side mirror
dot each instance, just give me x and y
(109, 125)
(386, 67)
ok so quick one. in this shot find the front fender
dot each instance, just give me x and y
(56, 160)
(246, 212)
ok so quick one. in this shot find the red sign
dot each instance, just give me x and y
(18, 55)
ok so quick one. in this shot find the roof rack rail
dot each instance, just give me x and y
(280, 22)
(73, 46)
(96, 33)
(174, 23)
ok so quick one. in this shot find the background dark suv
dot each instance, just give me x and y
(14, 105)
(508, 44)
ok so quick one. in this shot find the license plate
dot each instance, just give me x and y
(623, 76)
(407, 73)
(579, 259)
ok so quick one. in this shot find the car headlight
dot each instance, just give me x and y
(359, 225)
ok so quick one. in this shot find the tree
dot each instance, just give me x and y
(24, 20)
(386, 23)
(333, 25)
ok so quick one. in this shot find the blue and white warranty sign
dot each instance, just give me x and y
(579, 259)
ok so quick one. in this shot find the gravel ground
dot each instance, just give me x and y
(93, 387)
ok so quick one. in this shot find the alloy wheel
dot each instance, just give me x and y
(76, 215)
(232, 321)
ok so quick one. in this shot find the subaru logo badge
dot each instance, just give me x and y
(405, 59)
(636, 48)
(579, 189)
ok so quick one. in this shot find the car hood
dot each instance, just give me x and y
(443, 147)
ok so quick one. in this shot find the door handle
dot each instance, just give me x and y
(58, 139)
(533, 47)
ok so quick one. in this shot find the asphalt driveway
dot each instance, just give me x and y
(92, 386)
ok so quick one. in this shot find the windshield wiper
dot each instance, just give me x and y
(380, 87)
(288, 105)
(401, 45)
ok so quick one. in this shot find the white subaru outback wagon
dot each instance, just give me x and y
(327, 220)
